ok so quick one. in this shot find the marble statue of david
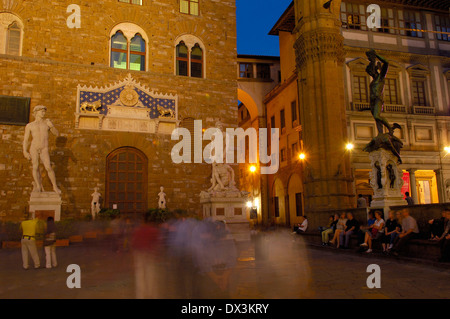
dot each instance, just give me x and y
(38, 151)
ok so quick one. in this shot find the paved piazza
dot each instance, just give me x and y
(322, 274)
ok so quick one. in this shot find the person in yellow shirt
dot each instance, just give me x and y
(28, 228)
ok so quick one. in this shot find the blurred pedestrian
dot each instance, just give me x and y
(146, 249)
(215, 257)
(49, 244)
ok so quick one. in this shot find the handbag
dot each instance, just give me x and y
(49, 239)
(374, 231)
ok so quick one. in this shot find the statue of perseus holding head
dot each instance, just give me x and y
(38, 152)
(378, 68)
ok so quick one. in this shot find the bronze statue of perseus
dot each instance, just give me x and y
(378, 69)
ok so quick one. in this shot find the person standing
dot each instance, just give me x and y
(361, 203)
(28, 242)
(409, 199)
(49, 244)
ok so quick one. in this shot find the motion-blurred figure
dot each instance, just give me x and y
(214, 257)
(146, 256)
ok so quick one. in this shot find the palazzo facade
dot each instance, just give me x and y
(116, 86)
(321, 105)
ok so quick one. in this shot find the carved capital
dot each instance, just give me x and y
(319, 45)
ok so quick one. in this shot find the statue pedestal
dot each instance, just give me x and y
(386, 179)
(231, 207)
(46, 201)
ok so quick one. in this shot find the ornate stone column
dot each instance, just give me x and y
(320, 56)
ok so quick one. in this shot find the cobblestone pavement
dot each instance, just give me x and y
(290, 272)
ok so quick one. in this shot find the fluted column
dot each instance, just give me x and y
(320, 57)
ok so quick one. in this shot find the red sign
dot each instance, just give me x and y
(405, 187)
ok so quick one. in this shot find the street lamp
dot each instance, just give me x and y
(302, 156)
(447, 149)
(349, 147)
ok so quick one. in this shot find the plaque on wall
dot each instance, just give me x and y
(14, 110)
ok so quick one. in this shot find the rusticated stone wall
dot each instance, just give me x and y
(56, 59)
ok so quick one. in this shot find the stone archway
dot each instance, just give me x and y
(249, 103)
(126, 180)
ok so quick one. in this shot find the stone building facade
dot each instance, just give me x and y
(127, 56)
(323, 66)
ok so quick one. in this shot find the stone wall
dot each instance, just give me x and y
(57, 59)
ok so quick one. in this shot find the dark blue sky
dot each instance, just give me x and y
(255, 18)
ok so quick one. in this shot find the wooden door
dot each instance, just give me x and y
(126, 180)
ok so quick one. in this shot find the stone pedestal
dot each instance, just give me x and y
(46, 201)
(386, 181)
(229, 207)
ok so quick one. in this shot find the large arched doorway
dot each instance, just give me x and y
(126, 180)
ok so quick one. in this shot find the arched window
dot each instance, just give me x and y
(119, 51)
(197, 61)
(13, 42)
(128, 47)
(190, 57)
(137, 53)
(182, 59)
(11, 34)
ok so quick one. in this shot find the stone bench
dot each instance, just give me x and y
(416, 248)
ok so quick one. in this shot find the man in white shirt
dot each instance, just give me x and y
(410, 230)
(303, 226)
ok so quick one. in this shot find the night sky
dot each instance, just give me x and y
(255, 18)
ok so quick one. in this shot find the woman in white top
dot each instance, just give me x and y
(375, 231)
(340, 227)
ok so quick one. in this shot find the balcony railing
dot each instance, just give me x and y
(424, 110)
(388, 108)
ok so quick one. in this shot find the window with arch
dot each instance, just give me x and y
(128, 48)
(11, 34)
(182, 59)
(197, 61)
(189, 57)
